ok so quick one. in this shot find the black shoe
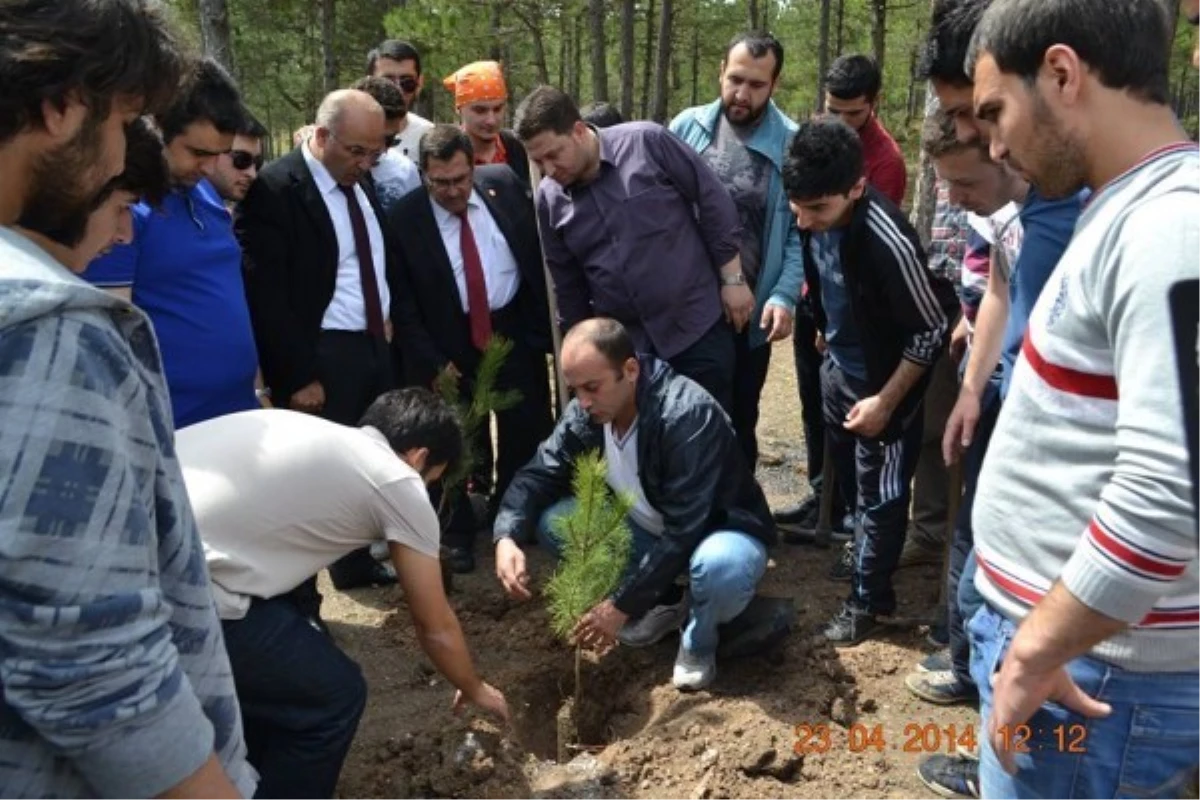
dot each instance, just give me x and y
(850, 626)
(803, 513)
(843, 568)
(460, 559)
(359, 570)
(950, 776)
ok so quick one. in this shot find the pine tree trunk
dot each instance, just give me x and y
(328, 52)
(879, 31)
(663, 62)
(924, 196)
(752, 15)
(577, 59)
(564, 46)
(696, 57)
(628, 46)
(214, 32)
(599, 51)
(648, 60)
(822, 54)
(496, 49)
(539, 52)
(841, 28)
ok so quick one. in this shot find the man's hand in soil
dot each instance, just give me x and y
(597, 629)
(487, 697)
(510, 569)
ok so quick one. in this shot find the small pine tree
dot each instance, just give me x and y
(595, 541)
(475, 413)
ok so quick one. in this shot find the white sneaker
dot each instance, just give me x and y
(693, 672)
(655, 625)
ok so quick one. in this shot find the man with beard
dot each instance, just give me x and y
(852, 87)
(238, 168)
(742, 136)
(184, 267)
(116, 681)
(481, 102)
(319, 277)
(1085, 534)
(697, 508)
(635, 226)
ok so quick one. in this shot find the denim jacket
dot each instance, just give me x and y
(115, 677)
(782, 271)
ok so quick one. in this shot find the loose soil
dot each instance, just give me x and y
(735, 740)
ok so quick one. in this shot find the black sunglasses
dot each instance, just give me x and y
(407, 83)
(242, 160)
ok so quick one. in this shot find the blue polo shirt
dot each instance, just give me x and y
(1048, 228)
(185, 270)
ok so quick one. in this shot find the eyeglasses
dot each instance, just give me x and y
(449, 183)
(407, 83)
(243, 160)
(357, 152)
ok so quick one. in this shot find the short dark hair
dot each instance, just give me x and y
(938, 138)
(944, 53)
(825, 158)
(441, 142)
(99, 49)
(416, 417)
(853, 75)
(546, 108)
(601, 114)
(251, 127)
(208, 95)
(1126, 42)
(396, 50)
(146, 172)
(386, 93)
(609, 337)
(759, 43)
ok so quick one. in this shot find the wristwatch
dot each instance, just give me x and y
(733, 280)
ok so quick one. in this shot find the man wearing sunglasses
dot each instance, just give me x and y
(400, 63)
(238, 168)
(184, 267)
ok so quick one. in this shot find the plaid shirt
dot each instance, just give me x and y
(113, 665)
(948, 237)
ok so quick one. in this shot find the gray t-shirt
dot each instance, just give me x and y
(744, 173)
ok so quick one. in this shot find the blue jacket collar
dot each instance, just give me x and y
(764, 141)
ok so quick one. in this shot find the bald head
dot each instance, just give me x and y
(599, 364)
(606, 336)
(350, 133)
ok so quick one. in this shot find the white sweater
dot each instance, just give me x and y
(1086, 477)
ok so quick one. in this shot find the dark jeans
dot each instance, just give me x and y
(881, 469)
(963, 543)
(301, 698)
(808, 381)
(749, 375)
(710, 362)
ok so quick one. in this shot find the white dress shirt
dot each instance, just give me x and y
(499, 265)
(346, 311)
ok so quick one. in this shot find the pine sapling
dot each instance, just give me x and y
(595, 544)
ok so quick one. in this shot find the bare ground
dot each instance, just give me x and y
(736, 740)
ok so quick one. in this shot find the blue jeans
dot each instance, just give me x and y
(1145, 748)
(301, 698)
(724, 571)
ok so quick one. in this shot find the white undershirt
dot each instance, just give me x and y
(346, 311)
(499, 266)
(622, 458)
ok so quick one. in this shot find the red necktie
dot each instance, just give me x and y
(477, 300)
(366, 264)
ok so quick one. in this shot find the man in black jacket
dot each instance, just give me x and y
(882, 320)
(697, 507)
(471, 266)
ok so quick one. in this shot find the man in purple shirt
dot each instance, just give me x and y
(636, 227)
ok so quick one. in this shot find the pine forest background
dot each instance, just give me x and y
(650, 58)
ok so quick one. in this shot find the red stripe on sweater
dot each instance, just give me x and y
(1122, 552)
(1065, 379)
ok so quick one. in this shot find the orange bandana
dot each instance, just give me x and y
(482, 80)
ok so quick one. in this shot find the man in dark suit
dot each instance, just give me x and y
(320, 279)
(471, 266)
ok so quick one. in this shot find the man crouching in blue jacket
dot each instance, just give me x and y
(697, 507)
